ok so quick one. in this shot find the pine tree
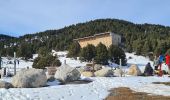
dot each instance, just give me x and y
(88, 53)
(74, 50)
(46, 61)
(101, 54)
(146, 47)
(43, 51)
(116, 53)
(168, 51)
(25, 50)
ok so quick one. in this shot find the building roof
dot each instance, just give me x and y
(92, 36)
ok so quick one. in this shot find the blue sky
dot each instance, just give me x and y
(18, 17)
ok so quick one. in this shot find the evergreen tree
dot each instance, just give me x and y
(56, 62)
(115, 54)
(47, 61)
(168, 51)
(101, 54)
(137, 46)
(88, 53)
(25, 50)
(36, 63)
(74, 50)
(135, 35)
(146, 47)
(43, 51)
(157, 51)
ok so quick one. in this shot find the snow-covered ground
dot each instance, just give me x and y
(70, 61)
(141, 61)
(22, 63)
(96, 90)
(9, 64)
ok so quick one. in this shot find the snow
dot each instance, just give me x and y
(10, 67)
(22, 63)
(70, 61)
(141, 61)
(35, 56)
(96, 90)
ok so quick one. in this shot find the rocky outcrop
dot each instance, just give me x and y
(29, 78)
(118, 72)
(6, 85)
(66, 73)
(134, 70)
(105, 72)
(87, 74)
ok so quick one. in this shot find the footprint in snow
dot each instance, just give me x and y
(60, 99)
(82, 97)
(70, 92)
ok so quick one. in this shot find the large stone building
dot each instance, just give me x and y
(107, 38)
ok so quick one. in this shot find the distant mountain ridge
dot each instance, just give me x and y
(3, 36)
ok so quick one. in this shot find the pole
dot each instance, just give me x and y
(65, 62)
(120, 63)
(0, 61)
(0, 65)
(14, 63)
(93, 64)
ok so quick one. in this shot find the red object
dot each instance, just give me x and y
(167, 60)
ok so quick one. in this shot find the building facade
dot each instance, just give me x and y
(107, 38)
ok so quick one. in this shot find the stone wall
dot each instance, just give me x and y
(106, 39)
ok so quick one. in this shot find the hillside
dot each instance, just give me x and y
(6, 40)
(5, 37)
(141, 38)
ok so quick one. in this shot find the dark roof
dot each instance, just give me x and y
(92, 36)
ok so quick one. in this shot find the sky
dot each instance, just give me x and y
(19, 17)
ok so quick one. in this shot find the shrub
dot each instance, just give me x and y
(49, 60)
(101, 54)
(88, 53)
(74, 50)
(115, 54)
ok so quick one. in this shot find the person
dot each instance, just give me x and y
(148, 70)
(167, 61)
(161, 60)
(0, 61)
(156, 63)
(18, 61)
